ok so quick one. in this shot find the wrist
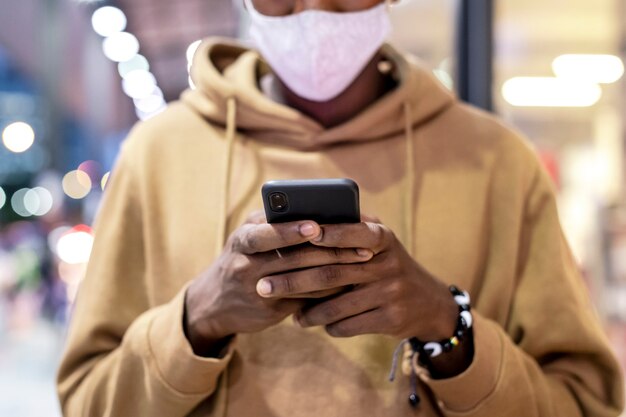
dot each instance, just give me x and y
(453, 354)
(203, 337)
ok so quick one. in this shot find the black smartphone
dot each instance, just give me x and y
(325, 201)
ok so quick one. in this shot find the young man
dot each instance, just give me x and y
(302, 319)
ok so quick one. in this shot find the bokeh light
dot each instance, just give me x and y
(91, 168)
(138, 62)
(55, 235)
(601, 69)
(74, 247)
(139, 84)
(76, 184)
(3, 198)
(550, 92)
(108, 20)
(17, 203)
(18, 137)
(38, 201)
(105, 180)
(120, 47)
(191, 51)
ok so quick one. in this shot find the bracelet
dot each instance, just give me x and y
(463, 327)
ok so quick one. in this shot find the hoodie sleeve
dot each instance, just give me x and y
(552, 359)
(124, 356)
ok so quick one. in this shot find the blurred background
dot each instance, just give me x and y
(76, 75)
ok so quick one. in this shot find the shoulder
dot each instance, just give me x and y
(175, 127)
(469, 141)
(174, 138)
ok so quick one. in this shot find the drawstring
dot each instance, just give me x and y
(410, 355)
(409, 241)
(231, 129)
(409, 212)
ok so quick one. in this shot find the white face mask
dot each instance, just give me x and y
(316, 53)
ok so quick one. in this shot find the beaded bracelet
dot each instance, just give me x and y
(464, 324)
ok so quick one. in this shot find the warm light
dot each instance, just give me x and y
(138, 62)
(599, 69)
(72, 275)
(108, 20)
(120, 47)
(550, 92)
(76, 184)
(3, 198)
(18, 137)
(38, 201)
(104, 180)
(75, 246)
(139, 84)
(17, 203)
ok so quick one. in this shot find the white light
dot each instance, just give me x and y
(75, 247)
(17, 203)
(139, 84)
(191, 51)
(38, 201)
(120, 47)
(191, 83)
(138, 62)
(600, 69)
(550, 92)
(108, 20)
(3, 198)
(150, 103)
(444, 77)
(18, 137)
(55, 235)
(148, 115)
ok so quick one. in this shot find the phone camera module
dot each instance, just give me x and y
(278, 202)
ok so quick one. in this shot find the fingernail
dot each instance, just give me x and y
(307, 229)
(264, 287)
(364, 253)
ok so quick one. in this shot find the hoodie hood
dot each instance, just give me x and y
(224, 71)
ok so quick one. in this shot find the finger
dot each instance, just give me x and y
(254, 238)
(311, 280)
(352, 303)
(370, 322)
(374, 236)
(306, 256)
(318, 294)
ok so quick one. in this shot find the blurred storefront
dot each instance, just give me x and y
(76, 75)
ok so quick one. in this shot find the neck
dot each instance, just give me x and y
(368, 87)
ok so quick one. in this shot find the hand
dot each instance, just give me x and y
(392, 293)
(224, 301)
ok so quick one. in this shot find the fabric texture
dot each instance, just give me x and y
(482, 216)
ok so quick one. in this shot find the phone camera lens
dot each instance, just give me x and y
(278, 202)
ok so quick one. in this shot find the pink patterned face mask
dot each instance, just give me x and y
(316, 53)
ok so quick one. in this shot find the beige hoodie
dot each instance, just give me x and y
(466, 195)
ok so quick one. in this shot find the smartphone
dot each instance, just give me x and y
(325, 201)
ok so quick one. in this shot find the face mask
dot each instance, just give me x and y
(318, 54)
